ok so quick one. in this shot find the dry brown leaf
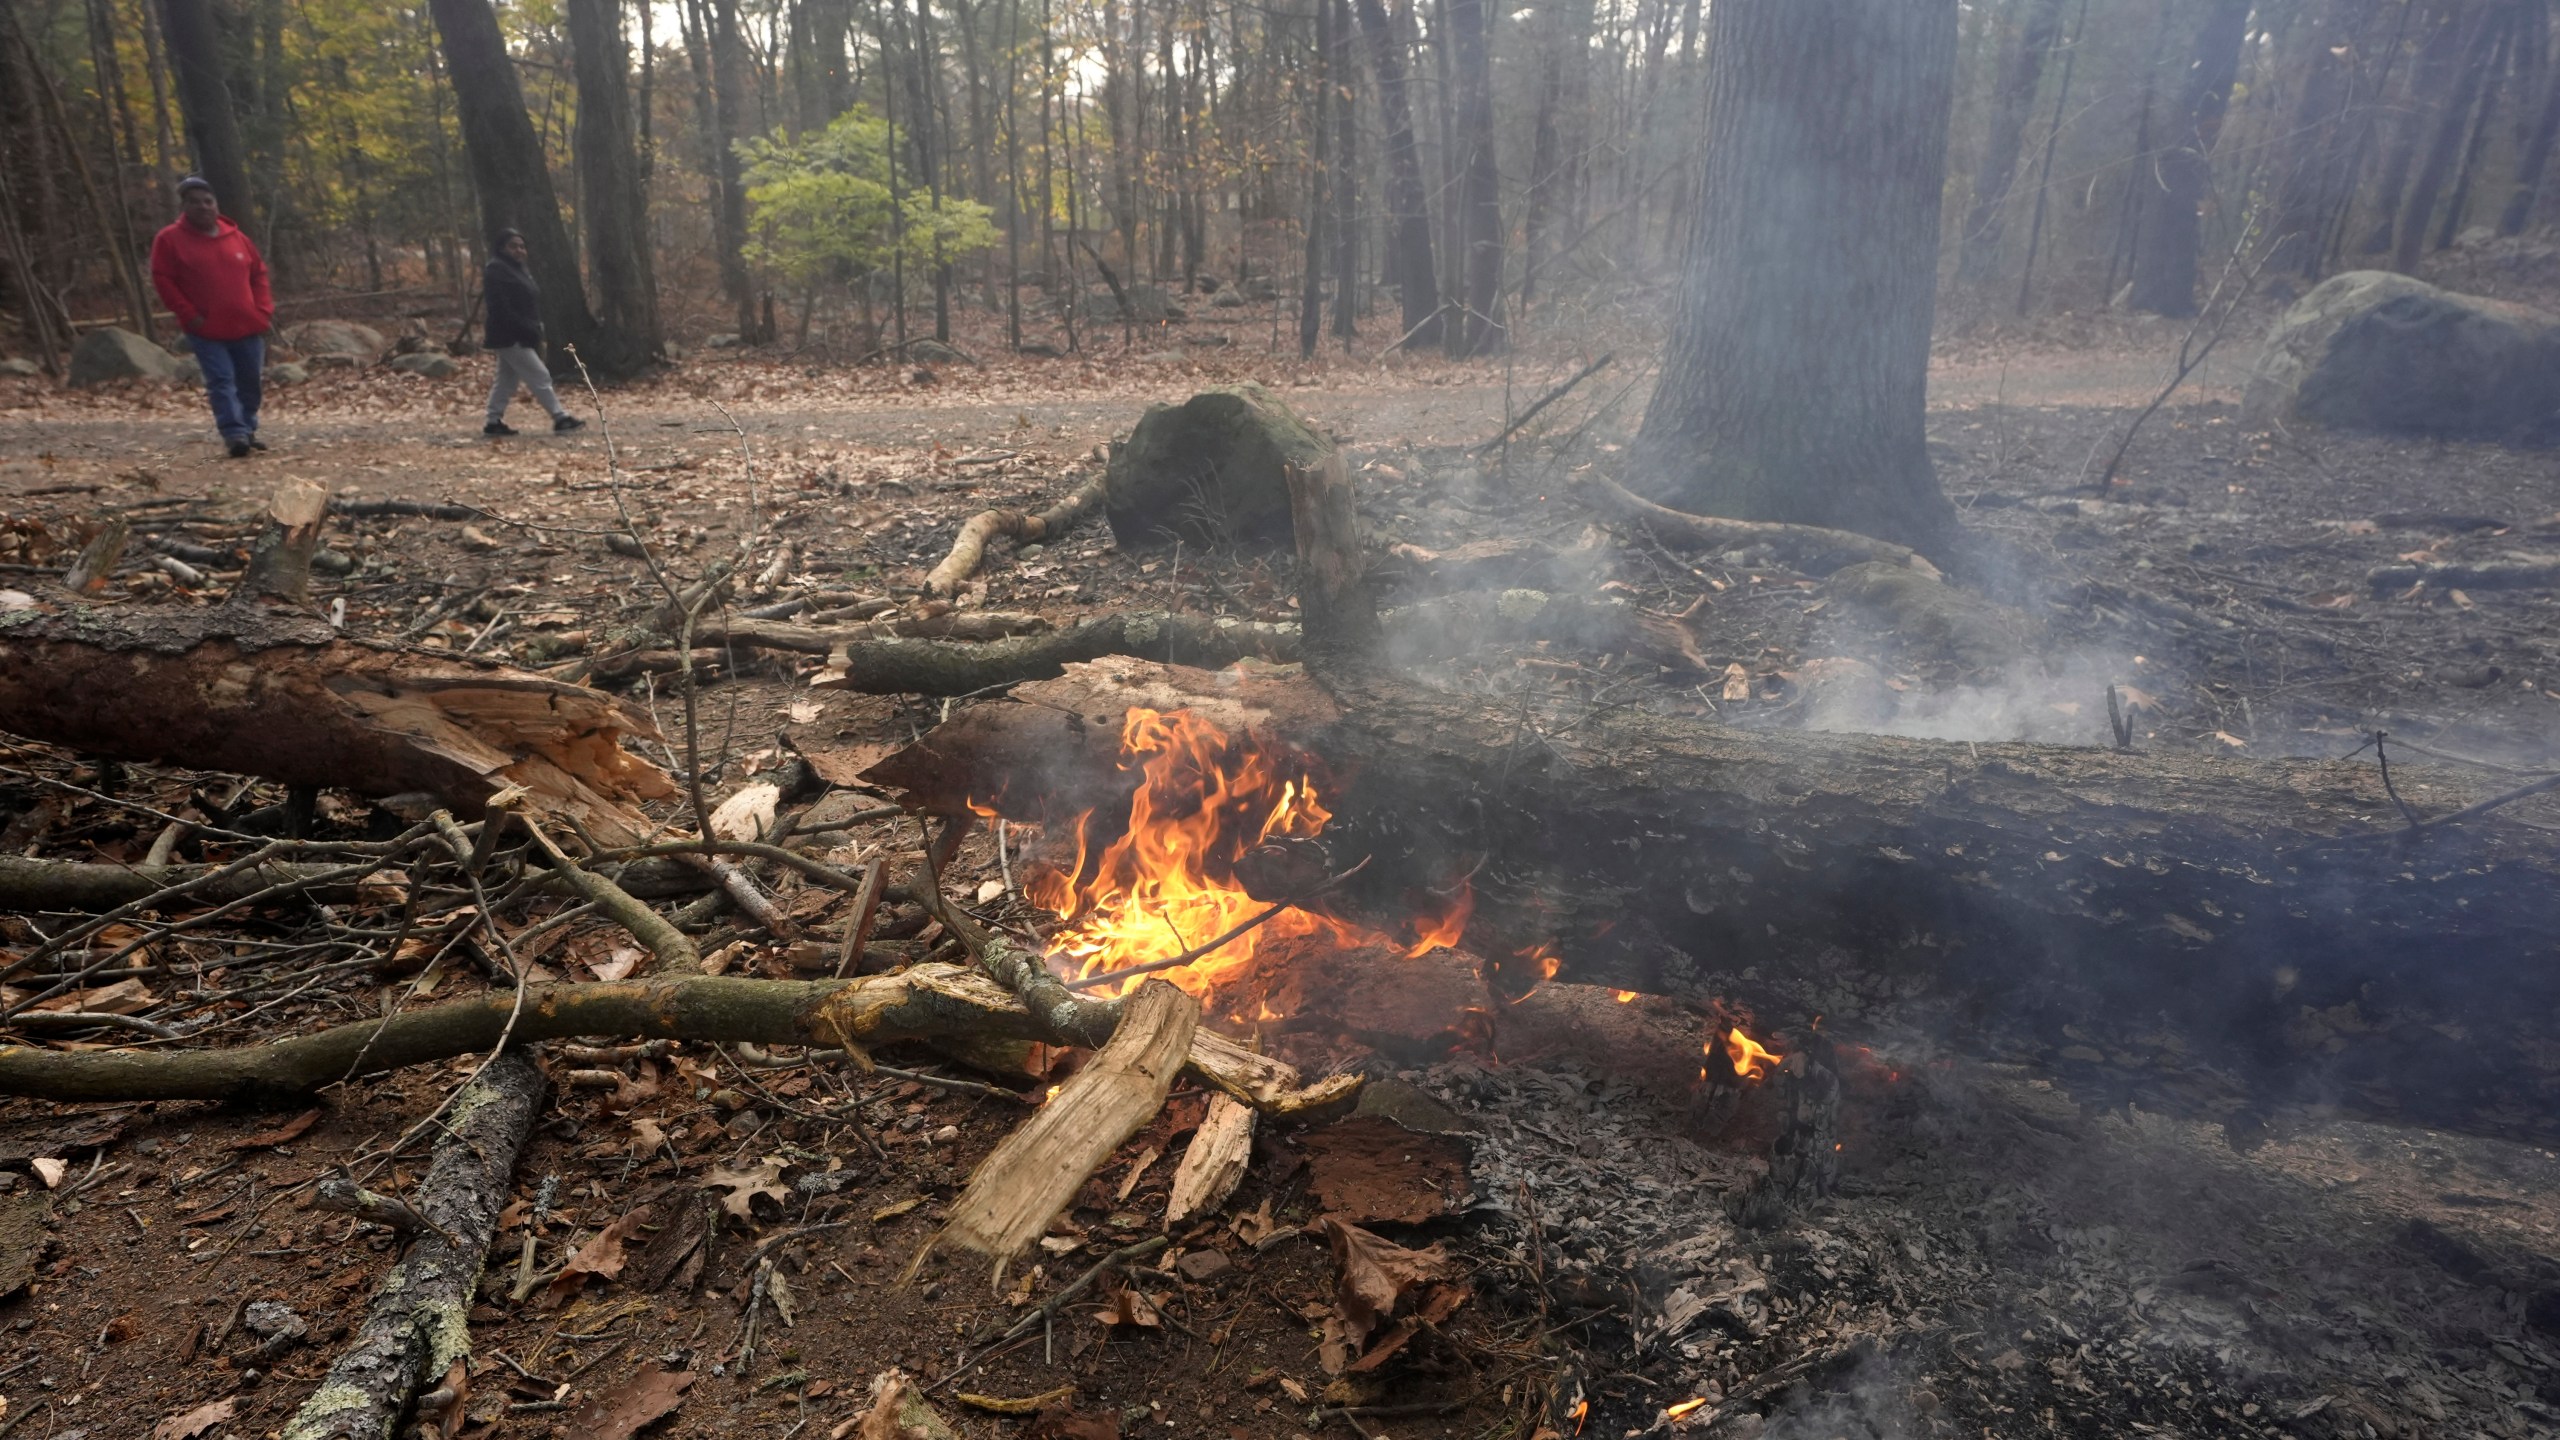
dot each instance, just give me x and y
(1130, 1306)
(651, 1394)
(898, 1412)
(745, 1185)
(1372, 1276)
(188, 1424)
(50, 1170)
(284, 1134)
(125, 997)
(1737, 682)
(619, 964)
(602, 1257)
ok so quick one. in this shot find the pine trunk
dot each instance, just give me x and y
(507, 168)
(613, 197)
(2164, 279)
(1409, 252)
(1794, 382)
(2012, 101)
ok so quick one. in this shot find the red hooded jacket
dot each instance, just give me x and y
(215, 284)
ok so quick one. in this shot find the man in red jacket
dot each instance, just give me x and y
(213, 279)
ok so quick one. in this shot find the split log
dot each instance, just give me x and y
(923, 1002)
(416, 1329)
(2213, 935)
(969, 547)
(1214, 1164)
(1031, 1175)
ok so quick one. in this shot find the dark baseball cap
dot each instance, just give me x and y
(195, 182)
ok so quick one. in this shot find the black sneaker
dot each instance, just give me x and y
(239, 449)
(498, 427)
(257, 444)
(563, 424)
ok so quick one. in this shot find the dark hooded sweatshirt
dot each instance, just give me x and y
(514, 303)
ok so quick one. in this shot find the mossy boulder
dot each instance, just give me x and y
(2371, 350)
(1213, 470)
(108, 354)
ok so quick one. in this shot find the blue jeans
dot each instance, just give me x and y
(232, 369)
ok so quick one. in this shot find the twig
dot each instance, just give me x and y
(2382, 757)
(1551, 397)
(2189, 358)
(1050, 1307)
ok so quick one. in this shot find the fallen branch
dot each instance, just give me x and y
(407, 509)
(927, 667)
(88, 886)
(1818, 550)
(923, 1002)
(1551, 397)
(675, 954)
(969, 547)
(977, 625)
(416, 1329)
(2495, 575)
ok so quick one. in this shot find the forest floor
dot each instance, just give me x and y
(1999, 1261)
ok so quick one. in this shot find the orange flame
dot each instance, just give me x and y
(1626, 997)
(1684, 1407)
(1751, 1059)
(1168, 884)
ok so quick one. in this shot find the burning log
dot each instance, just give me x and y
(2215, 936)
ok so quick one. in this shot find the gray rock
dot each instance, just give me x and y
(109, 354)
(1148, 305)
(16, 366)
(1162, 357)
(1228, 300)
(2371, 350)
(333, 337)
(1041, 348)
(329, 362)
(1211, 471)
(724, 342)
(434, 367)
(286, 372)
(934, 352)
(186, 372)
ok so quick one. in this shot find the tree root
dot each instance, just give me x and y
(1819, 550)
(416, 1331)
(969, 547)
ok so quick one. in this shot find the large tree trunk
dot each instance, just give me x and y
(204, 95)
(508, 170)
(2164, 281)
(2445, 143)
(2013, 98)
(2535, 158)
(613, 198)
(2320, 149)
(1794, 382)
(1409, 253)
(1481, 330)
(2213, 936)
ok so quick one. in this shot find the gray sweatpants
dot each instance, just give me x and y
(521, 365)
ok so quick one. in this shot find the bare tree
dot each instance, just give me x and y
(2164, 276)
(613, 199)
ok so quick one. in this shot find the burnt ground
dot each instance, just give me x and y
(1999, 1260)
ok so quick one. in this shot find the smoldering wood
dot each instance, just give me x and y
(2214, 936)
(415, 1330)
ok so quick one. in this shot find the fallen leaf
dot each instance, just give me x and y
(2227, 738)
(2333, 600)
(2136, 698)
(646, 1136)
(125, 997)
(50, 1171)
(1373, 1276)
(2458, 598)
(745, 1185)
(651, 1394)
(1060, 1423)
(1257, 1227)
(1130, 1306)
(1737, 682)
(785, 1304)
(619, 964)
(897, 1412)
(601, 1257)
(991, 890)
(188, 1424)
(893, 1211)
(284, 1134)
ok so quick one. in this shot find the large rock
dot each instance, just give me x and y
(334, 337)
(285, 372)
(16, 366)
(420, 362)
(109, 354)
(2371, 350)
(1210, 471)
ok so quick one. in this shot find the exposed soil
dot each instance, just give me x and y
(1999, 1260)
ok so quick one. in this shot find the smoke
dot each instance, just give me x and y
(2055, 702)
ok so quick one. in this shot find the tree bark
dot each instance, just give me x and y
(2450, 124)
(1794, 382)
(2214, 936)
(2013, 99)
(2536, 157)
(2164, 279)
(204, 97)
(508, 170)
(1481, 331)
(613, 198)
(1410, 251)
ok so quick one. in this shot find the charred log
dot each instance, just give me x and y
(2215, 936)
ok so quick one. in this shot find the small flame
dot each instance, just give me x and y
(1684, 1407)
(1543, 956)
(1626, 997)
(1580, 1412)
(1751, 1059)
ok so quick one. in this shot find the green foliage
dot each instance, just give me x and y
(823, 208)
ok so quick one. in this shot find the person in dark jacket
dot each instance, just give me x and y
(212, 278)
(514, 337)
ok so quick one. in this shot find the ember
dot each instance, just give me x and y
(1168, 884)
